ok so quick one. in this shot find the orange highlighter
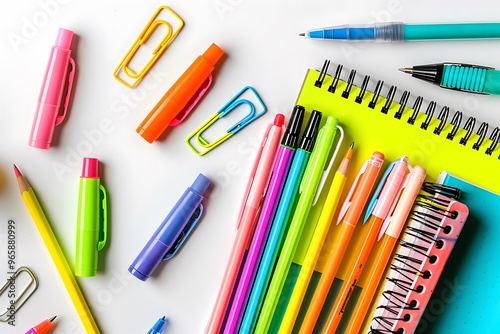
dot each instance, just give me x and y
(173, 106)
(350, 213)
(388, 242)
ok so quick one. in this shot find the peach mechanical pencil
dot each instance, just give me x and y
(386, 199)
(259, 177)
(277, 181)
(280, 222)
(56, 253)
(350, 213)
(48, 115)
(316, 244)
(388, 241)
(308, 191)
(42, 327)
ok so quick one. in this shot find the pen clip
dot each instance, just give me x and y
(388, 220)
(191, 224)
(252, 174)
(193, 102)
(347, 202)
(69, 88)
(103, 224)
(325, 174)
(374, 200)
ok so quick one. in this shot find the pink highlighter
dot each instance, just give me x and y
(56, 78)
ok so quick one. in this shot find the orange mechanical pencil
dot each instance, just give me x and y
(388, 242)
(385, 200)
(183, 91)
(350, 214)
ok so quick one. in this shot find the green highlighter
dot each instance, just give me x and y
(92, 222)
(309, 190)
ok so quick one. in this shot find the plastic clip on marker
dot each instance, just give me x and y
(92, 219)
(173, 231)
(174, 106)
(350, 213)
(48, 115)
(461, 77)
(280, 170)
(309, 189)
(204, 144)
(173, 23)
(280, 222)
(259, 177)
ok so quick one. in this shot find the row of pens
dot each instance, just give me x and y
(286, 181)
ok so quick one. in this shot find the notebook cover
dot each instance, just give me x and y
(467, 298)
(371, 130)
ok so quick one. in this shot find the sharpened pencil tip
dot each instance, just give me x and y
(352, 145)
(302, 34)
(17, 171)
(53, 318)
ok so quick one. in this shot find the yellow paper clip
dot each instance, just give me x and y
(174, 26)
(22, 296)
(232, 104)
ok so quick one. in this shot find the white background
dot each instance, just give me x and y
(144, 180)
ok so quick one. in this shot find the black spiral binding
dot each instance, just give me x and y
(443, 116)
(407, 266)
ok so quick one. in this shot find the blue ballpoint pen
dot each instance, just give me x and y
(398, 31)
(280, 223)
(158, 326)
(173, 231)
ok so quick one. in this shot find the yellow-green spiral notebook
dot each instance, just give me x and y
(378, 117)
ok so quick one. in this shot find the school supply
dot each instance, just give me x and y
(22, 296)
(182, 97)
(466, 297)
(52, 98)
(158, 326)
(173, 232)
(350, 212)
(312, 184)
(462, 77)
(92, 219)
(42, 327)
(430, 135)
(279, 173)
(202, 145)
(386, 197)
(279, 226)
(398, 31)
(163, 17)
(56, 253)
(255, 191)
(429, 239)
(387, 244)
(316, 244)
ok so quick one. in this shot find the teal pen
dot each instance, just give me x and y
(462, 77)
(310, 186)
(158, 326)
(398, 31)
(280, 223)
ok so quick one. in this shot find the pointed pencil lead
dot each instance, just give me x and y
(302, 34)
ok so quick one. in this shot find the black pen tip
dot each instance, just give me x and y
(302, 34)
(352, 145)
(406, 70)
(53, 318)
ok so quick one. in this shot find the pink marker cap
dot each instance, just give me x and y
(64, 38)
(90, 168)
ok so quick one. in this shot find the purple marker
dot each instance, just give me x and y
(277, 180)
(173, 231)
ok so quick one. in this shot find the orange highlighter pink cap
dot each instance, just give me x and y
(174, 106)
(50, 100)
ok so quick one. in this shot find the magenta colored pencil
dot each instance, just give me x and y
(277, 180)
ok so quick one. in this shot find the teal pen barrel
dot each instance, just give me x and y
(471, 78)
(492, 82)
(451, 31)
(87, 229)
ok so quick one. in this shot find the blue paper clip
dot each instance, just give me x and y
(232, 104)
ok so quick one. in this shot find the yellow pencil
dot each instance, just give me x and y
(316, 244)
(55, 251)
